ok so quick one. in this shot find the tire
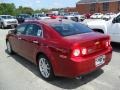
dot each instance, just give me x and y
(2, 26)
(45, 68)
(9, 48)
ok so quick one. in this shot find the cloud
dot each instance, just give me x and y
(37, 1)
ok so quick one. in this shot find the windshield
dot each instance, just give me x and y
(6, 17)
(67, 29)
(97, 14)
(109, 14)
(23, 16)
(76, 13)
(41, 15)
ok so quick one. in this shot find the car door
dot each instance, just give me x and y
(30, 41)
(15, 38)
(114, 29)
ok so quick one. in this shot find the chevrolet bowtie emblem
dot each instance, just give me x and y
(96, 43)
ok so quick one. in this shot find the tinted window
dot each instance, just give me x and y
(118, 19)
(21, 29)
(41, 15)
(66, 29)
(7, 17)
(23, 16)
(33, 30)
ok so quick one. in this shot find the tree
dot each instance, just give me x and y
(26, 10)
(7, 8)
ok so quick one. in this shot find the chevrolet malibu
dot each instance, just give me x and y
(60, 47)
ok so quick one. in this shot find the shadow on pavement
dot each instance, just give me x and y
(61, 82)
(116, 47)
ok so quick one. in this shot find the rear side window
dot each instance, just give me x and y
(67, 29)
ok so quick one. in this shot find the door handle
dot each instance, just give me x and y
(36, 42)
(19, 38)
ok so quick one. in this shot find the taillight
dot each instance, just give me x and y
(84, 51)
(78, 51)
(107, 43)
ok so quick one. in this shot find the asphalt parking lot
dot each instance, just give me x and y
(16, 73)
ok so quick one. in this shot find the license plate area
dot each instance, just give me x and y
(100, 60)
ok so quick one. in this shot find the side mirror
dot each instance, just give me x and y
(12, 31)
(114, 20)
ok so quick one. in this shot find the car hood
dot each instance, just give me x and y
(106, 16)
(10, 20)
(85, 37)
(94, 22)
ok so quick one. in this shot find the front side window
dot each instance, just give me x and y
(21, 29)
(33, 30)
(67, 29)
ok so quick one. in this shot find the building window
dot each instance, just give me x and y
(105, 6)
(92, 7)
(118, 5)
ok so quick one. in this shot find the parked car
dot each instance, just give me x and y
(56, 16)
(40, 16)
(96, 16)
(70, 17)
(108, 16)
(60, 48)
(22, 17)
(8, 21)
(87, 15)
(77, 15)
(110, 27)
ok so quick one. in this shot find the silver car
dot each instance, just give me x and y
(8, 21)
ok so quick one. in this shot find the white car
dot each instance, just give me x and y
(110, 27)
(78, 16)
(108, 16)
(96, 16)
(40, 16)
(7, 20)
(70, 17)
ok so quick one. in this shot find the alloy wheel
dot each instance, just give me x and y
(44, 68)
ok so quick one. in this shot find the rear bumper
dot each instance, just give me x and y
(72, 68)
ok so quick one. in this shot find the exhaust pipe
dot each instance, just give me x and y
(79, 77)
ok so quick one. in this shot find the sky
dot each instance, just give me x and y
(38, 4)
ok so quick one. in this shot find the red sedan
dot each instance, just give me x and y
(60, 47)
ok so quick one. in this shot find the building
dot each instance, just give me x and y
(100, 6)
(70, 9)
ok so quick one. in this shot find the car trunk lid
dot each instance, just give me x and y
(93, 42)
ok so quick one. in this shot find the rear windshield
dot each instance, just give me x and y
(67, 29)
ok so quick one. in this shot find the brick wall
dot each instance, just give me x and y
(86, 8)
